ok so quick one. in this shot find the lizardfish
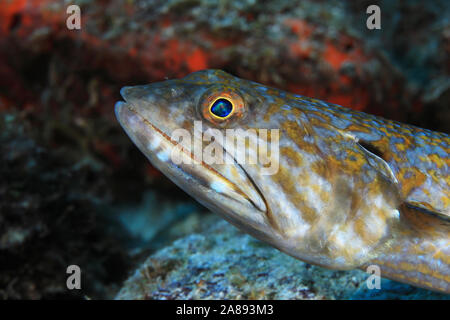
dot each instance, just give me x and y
(349, 189)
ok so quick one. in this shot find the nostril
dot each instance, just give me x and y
(124, 91)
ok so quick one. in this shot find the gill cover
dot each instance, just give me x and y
(362, 216)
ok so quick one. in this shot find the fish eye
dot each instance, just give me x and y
(221, 105)
(221, 108)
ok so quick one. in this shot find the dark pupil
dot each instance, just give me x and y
(221, 108)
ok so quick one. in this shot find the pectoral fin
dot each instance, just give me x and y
(376, 161)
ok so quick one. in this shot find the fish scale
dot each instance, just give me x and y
(350, 190)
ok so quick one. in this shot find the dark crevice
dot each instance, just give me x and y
(16, 21)
(371, 148)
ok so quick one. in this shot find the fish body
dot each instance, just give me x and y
(344, 190)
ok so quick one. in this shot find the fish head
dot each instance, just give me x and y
(172, 124)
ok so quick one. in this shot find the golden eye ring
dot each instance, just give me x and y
(220, 105)
(221, 108)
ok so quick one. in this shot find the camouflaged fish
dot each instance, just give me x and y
(350, 189)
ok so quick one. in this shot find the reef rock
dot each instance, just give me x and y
(220, 262)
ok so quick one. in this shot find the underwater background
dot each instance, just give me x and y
(75, 190)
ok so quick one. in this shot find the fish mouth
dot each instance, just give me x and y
(199, 179)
